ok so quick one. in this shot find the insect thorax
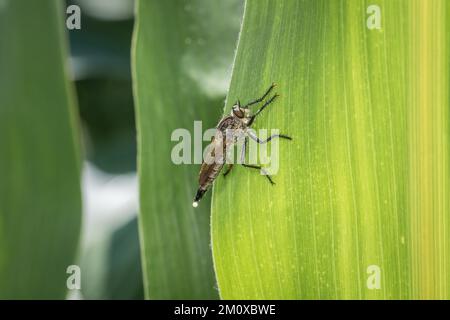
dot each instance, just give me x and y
(231, 122)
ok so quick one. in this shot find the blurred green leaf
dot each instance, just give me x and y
(101, 48)
(100, 60)
(182, 53)
(106, 108)
(40, 198)
(112, 266)
(365, 182)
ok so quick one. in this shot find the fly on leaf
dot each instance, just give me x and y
(228, 131)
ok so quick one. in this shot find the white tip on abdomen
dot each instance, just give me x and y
(195, 204)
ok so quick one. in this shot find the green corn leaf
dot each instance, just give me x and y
(362, 191)
(40, 197)
(182, 52)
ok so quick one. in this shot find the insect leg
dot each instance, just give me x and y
(242, 158)
(261, 109)
(230, 166)
(259, 99)
(244, 148)
(265, 173)
(255, 138)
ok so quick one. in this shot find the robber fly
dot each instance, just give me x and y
(240, 120)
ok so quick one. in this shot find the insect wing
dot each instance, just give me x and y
(212, 161)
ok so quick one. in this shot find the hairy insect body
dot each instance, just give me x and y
(229, 130)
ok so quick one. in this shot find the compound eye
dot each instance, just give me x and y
(238, 112)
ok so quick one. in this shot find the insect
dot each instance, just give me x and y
(238, 122)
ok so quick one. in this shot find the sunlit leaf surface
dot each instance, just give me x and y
(362, 190)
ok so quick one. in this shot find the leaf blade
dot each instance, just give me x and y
(179, 71)
(40, 196)
(342, 200)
